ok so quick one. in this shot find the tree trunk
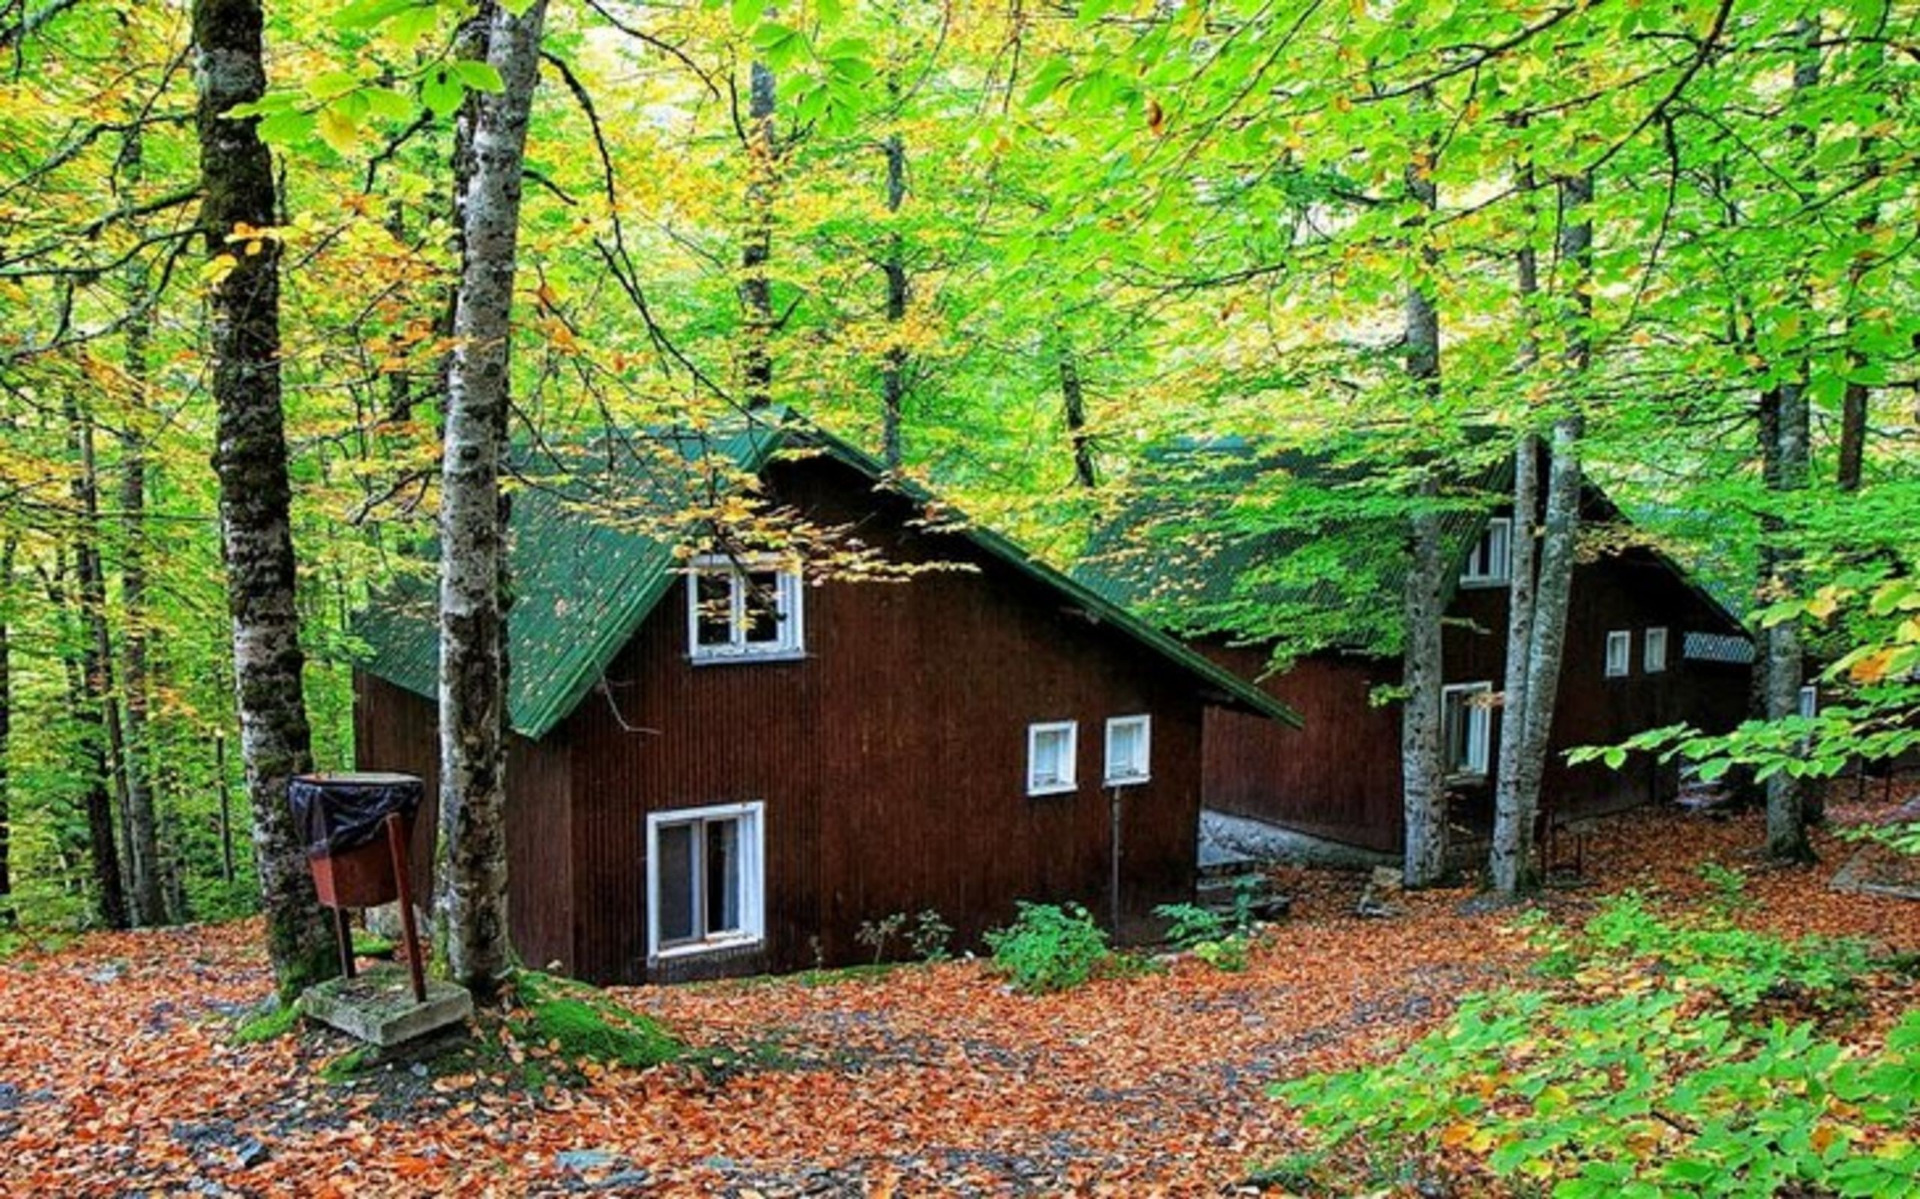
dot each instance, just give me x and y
(472, 879)
(1423, 672)
(143, 843)
(756, 289)
(7, 913)
(1074, 401)
(107, 750)
(250, 461)
(893, 374)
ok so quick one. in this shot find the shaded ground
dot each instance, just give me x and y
(118, 1074)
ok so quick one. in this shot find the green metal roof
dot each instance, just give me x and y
(588, 567)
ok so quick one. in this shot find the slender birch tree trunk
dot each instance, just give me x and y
(472, 879)
(1560, 536)
(143, 843)
(250, 460)
(1423, 672)
(7, 913)
(756, 288)
(1510, 861)
(893, 372)
(107, 750)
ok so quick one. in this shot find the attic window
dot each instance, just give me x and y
(743, 608)
(1489, 563)
(1653, 651)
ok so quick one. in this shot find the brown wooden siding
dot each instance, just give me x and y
(1339, 777)
(395, 730)
(891, 761)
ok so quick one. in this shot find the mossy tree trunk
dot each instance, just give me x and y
(250, 461)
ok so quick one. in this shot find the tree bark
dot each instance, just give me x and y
(1423, 671)
(250, 461)
(7, 913)
(472, 879)
(1074, 401)
(756, 289)
(106, 750)
(143, 843)
(893, 372)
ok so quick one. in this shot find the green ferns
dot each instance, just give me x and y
(1664, 1067)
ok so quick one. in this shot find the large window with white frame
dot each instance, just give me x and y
(1052, 747)
(1619, 653)
(705, 879)
(1129, 748)
(1490, 562)
(746, 608)
(1653, 651)
(1467, 728)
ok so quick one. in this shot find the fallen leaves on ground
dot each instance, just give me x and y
(118, 1072)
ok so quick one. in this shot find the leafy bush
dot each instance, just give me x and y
(1049, 948)
(927, 935)
(1645, 1077)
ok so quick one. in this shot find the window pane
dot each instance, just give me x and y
(1454, 732)
(723, 876)
(762, 607)
(674, 876)
(1049, 757)
(715, 619)
(1126, 756)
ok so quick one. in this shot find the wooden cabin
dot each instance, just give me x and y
(1645, 647)
(727, 763)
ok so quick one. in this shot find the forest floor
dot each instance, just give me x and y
(119, 1073)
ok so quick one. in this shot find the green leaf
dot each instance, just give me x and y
(480, 76)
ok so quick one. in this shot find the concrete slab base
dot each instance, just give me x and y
(378, 1006)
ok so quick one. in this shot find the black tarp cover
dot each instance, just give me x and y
(337, 812)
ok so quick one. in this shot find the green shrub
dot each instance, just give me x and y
(1049, 948)
(1650, 1074)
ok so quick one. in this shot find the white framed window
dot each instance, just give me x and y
(1619, 653)
(1129, 749)
(743, 608)
(1809, 702)
(706, 880)
(1653, 651)
(1466, 728)
(1490, 562)
(1051, 750)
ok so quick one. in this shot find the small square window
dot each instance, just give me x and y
(1619, 653)
(1467, 728)
(705, 879)
(743, 609)
(1051, 749)
(1129, 746)
(1490, 562)
(1653, 652)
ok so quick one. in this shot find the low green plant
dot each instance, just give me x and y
(269, 1022)
(1654, 1072)
(878, 934)
(1729, 887)
(1049, 947)
(1219, 940)
(930, 937)
(579, 1024)
(1902, 838)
